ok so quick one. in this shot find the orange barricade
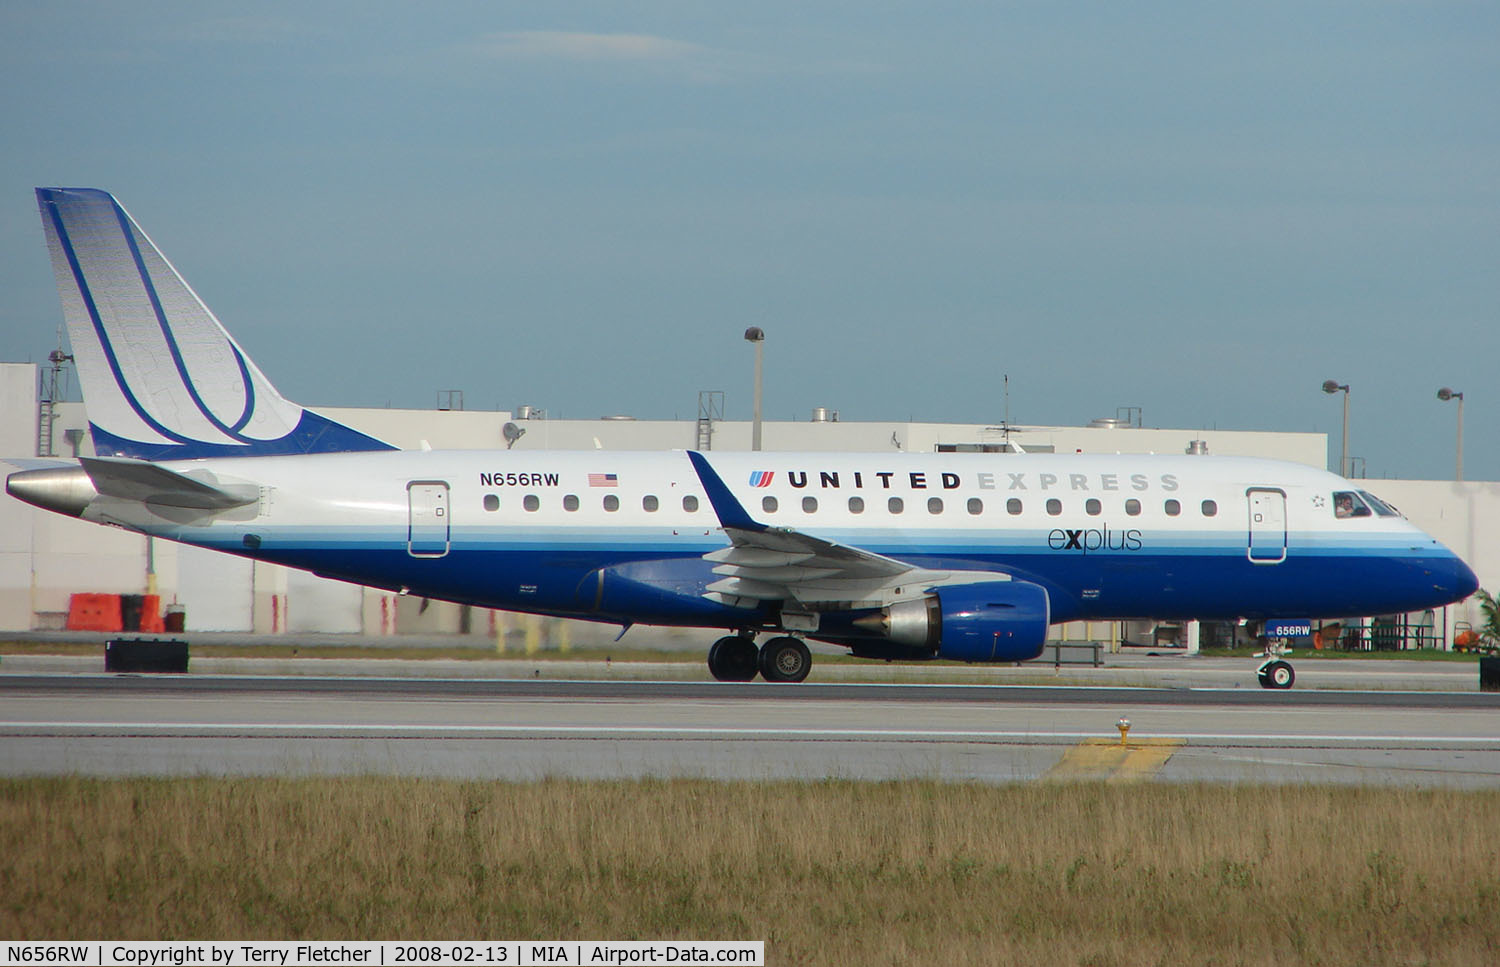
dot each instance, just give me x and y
(151, 619)
(94, 612)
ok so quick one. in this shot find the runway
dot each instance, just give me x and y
(110, 725)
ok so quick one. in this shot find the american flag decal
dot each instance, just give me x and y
(604, 480)
(761, 478)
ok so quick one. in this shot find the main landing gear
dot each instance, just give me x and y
(737, 659)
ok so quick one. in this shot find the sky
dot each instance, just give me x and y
(1202, 210)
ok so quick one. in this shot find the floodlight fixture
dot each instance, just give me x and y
(757, 336)
(1445, 394)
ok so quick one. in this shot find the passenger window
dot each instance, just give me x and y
(611, 503)
(809, 504)
(1013, 506)
(1210, 508)
(976, 506)
(649, 503)
(934, 505)
(690, 504)
(1348, 504)
(1133, 507)
(768, 504)
(532, 502)
(895, 505)
(1092, 507)
(570, 502)
(1054, 506)
(1172, 507)
(856, 505)
(491, 502)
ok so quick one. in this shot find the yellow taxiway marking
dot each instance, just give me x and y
(1107, 759)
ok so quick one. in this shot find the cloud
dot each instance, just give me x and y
(564, 45)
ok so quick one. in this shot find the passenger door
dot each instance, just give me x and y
(427, 519)
(1267, 525)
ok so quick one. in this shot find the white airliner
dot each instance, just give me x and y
(894, 556)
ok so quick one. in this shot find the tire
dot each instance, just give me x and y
(733, 659)
(1280, 675)
(785, 659)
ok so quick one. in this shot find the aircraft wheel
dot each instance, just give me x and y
(785, 659)
(733, 659)
(1280, 675)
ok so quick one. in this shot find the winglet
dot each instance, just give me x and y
(729, 510)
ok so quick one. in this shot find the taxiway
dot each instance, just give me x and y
(109, 725)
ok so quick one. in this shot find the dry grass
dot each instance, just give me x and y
(826, 873)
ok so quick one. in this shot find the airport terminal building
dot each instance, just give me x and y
(46, 559)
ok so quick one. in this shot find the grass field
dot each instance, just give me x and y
(826, 873)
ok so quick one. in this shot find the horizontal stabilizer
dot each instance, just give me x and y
(148, 483)
(74, 488)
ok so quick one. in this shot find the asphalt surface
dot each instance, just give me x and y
(57, 720)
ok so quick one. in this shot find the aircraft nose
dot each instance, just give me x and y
(1463, 580)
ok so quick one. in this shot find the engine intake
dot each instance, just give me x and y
(991, 621)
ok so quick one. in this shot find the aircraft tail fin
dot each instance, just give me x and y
(161, 378)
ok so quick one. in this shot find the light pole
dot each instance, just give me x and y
(1333, 386)
(1445, 394)
(756, 335)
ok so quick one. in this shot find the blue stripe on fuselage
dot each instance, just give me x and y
(536, 569)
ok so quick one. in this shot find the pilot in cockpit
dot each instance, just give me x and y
(1348, 505)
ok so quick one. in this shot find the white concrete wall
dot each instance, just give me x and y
(319, 605)
(1464, 516)
(1306, 448)
(66, 556)
(439, 429)
(216, 590)
(18, 410)
(16, 561)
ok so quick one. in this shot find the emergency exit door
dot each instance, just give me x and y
(427, 521)
(1267, 526)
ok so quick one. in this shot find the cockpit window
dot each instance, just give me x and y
(1346, 503)
(1381, 507)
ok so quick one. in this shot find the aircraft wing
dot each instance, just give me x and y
(766, 563)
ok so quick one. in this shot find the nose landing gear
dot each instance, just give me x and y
(737, 659)
(1276, 674)
(1273, 672)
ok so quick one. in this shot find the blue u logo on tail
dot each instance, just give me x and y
(161, 378)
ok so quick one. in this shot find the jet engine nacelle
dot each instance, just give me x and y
(993, 621)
